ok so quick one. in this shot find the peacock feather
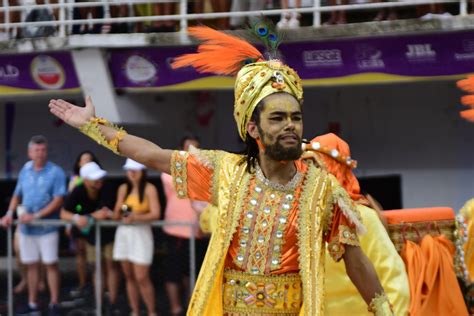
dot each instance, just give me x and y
(264, 30)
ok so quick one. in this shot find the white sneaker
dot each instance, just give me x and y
(446, 15)
(293, 23)
(427, 16)
(283, 23)
(4, 37)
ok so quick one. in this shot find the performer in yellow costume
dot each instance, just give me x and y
(341, 297)
(276, 211)
(468, 212)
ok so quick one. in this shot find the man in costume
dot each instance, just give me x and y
(275, 211)
(341, 296)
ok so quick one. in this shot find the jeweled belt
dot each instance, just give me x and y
(249, 294)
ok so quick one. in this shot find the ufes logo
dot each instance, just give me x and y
(322, 57)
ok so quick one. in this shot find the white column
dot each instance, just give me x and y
(92, 70)
(316, 14)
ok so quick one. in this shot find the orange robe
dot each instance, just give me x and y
(200, 178)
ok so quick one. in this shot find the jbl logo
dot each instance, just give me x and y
(420, 51)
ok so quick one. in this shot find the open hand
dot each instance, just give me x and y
(73, 115)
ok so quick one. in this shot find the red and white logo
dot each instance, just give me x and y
(47, 72)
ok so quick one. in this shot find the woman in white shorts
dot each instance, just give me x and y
(137, 204)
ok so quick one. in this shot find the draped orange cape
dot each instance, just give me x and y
(434, 287)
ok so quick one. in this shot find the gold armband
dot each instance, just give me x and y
(380, 306)
(92, 130)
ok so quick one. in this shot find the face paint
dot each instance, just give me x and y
(274, 150)
(272, 107)
(280, 127)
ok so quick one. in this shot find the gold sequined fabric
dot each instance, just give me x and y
(249, 294)
(263, 226)
(92, 129)
(179, 173)
(346, 236)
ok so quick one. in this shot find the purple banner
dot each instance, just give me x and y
(442, 54)
(356, 60)
(149, 67)
(25, 73)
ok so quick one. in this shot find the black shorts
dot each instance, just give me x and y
(176, 263)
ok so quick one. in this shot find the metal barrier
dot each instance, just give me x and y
(98, 257)
(66, 19)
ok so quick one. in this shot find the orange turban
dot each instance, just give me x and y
(335, 155)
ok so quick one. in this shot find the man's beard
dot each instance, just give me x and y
(279, 153)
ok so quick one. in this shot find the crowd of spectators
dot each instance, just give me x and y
(124, 8)
(43, 192)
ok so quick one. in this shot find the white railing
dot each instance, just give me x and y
(66, 12)
(98, 265)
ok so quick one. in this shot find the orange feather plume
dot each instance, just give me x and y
(220, 53)
(468, 115)
(466, 84)
(467, 100)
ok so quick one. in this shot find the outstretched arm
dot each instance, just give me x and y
(130, 146)
(362, 274)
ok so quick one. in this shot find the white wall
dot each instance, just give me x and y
(408, 129)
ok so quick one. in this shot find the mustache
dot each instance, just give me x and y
(289, 134)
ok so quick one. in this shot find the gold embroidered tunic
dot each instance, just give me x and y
(265, 229)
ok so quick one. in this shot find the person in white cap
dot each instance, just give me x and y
(137, 204)
(87, 203)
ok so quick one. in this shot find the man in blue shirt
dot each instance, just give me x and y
(40, 190)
